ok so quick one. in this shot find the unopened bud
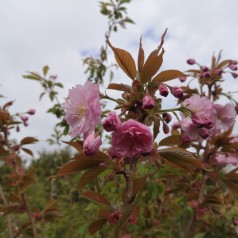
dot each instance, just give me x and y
(184, 138)
(111, 122)
(218, 72)
(114, 217)
(203, 132)
(182, 79)
(205, 68)
(233, 62)
(91, 144)
(177, 92)
(191, 61)
(148, 102)
(31, 111)
(25, 123)
(233, 67)
(234, 75)
(165, 128)
(163, 90)
(202, 121)
(24, 118)
(176, 125)
(167, 117)
(206, 74)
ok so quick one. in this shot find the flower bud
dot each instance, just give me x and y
(148, 102)
(25, 123)
(177, 92)
(233, 67)
(163, 90)
(191, 61)
(31, 111)
(111, 122)
(175, 125)
(165, 128)
(218, 72)
(233, 62)
(132, 219)
(24, 118)
(167, 117)
(114, 217)
(182, 79)
(203, 132)
(91, 144)
(202, 121)
(206, 74)
(235, 75)
(184, 138)
(205, 69)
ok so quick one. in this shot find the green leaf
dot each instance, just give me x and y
(168, 75)
(32, 75)
(45, 70)
(96, 197)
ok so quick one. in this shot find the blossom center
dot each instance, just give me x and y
(81, 110)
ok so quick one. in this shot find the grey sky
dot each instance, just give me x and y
(57, 32)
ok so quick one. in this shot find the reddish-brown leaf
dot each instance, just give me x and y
(139, 184)
(29, 152)
(151, 67)
(119, 87)
(90, 175)
(141, 57)
(168, 75)
(170, 140)
(180, 158)
(78, 145)
(125, 61)
(28, 140)
(156, 126)
(96, 197)
(223, 64)
(96, 225)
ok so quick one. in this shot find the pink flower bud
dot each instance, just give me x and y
(132, 219)
(163, 90)
(31, 111)
(233, 62)
(25, 123)
(114, 217)
(111, 122)
(177, 92)
(53, 77)
(176, 125)
(202, 121)
(218, 72)
(148, 102)
(191, 61)
(167, 117)
(182, 79)
(184, 138)
(206, 74)
(235, 75)
(233, 67)
(91, 144)
(24, 118)
(165, 128)
(203, 132)
(205, 68)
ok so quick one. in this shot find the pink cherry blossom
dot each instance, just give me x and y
(131, 139)
(148, 102)
(225, 117)
(83, 111)
(228, 158)
(91, 144)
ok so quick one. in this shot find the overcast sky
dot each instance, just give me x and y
(59, 33)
